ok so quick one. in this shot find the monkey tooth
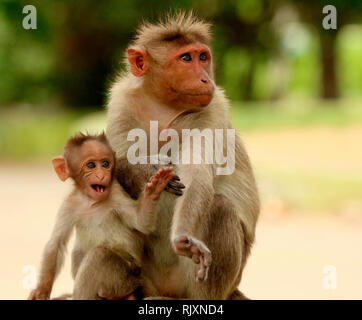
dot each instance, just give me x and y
(98, 188)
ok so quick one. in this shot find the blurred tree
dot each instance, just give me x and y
(26, 60)
(78, 47)
(90, 40)
(311, 12)
(73, 53)
(246, 26)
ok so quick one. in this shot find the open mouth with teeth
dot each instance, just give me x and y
(98, 188)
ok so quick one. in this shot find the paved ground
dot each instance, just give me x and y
(287, 262)
(290, 257)
(297, 169)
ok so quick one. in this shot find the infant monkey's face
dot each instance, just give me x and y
(95, 168)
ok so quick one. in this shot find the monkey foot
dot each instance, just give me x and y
(197, 251)
(39, 294)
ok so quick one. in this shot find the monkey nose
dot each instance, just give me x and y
(100, 176)
(204, 81)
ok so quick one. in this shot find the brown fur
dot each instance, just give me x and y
(218, 213)
(76, 142)
(109, 235)
(180, 27)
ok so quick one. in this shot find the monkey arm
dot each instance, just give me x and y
(138, 214)
(146, 215)
(191, 208)
(144, 219)
(191, 212)
(53, 254)
(133, 178)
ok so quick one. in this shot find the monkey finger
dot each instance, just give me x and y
(183, 246)
(196, 258)
(195, 250)
(166, 176)
(176, 177)
(173, 191)
(207, 258)
(200, 276)
(184, 239)
(149, 187)
(169, 176)
(203, 271)
(158, 174)
(175, 184)
(167, 170)
(162, 173)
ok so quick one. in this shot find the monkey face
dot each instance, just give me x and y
(182, 79)
(187, 79)
(94, 162)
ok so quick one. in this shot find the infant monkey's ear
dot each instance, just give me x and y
(61, 168)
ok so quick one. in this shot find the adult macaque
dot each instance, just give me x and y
(110, 226)
(171, 80)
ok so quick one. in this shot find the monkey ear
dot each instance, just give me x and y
(60, 167)
(139, 61)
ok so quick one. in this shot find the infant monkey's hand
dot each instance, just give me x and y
(159, 182)
(133, 177)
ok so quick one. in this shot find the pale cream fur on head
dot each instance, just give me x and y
(180, 25)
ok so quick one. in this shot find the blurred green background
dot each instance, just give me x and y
(296, 89)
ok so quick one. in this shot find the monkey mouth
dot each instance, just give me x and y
(98, 187)
(197, 94)
(201, 94)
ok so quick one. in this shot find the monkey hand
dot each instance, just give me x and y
(39, 294)
(132, 177)
(196, 250)
(159, 182)
(174, 186)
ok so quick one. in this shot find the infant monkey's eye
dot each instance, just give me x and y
(105, 164)
(91, 165)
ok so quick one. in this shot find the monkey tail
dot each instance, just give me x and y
(237, 295)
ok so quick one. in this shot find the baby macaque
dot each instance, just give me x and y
(109, 224)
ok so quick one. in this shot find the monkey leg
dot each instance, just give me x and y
(77, 258)
(222, 232)
(102, 273)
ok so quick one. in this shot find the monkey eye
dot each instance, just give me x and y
(105, 164)
(186, 57)
(91, 165)
(203, 56)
